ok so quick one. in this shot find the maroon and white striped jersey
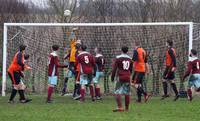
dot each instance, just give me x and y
(86, 61)
(123, 67)
(100, 62)
(193, 67)
(54, 64)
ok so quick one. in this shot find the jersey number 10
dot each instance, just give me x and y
(126, 65)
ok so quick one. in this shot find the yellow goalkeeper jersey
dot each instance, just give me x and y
(72, 57)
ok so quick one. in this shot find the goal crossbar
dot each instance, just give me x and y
(6, 25)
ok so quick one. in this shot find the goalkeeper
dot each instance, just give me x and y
(71, 56)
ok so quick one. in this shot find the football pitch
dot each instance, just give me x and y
(66, 109)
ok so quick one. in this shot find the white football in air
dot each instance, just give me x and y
(67, 13)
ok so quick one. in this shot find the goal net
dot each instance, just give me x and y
(109, 37)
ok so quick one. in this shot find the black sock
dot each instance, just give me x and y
(139, 94)
(65, 85)
(174, 88)
(78, 89)
(165, 86)
(142, 90)
(21, 94)
(13, 94)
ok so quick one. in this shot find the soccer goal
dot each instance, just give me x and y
(39, 37)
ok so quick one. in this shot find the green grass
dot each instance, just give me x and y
(66, 109)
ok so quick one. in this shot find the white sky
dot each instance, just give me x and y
(41, 3)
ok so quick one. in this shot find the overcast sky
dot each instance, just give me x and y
(41, 3)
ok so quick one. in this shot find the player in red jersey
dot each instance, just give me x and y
(53, 71)
(193, 70)
(169, 73)
(87, 63)
(99, 68)
(123, 68)
(141, 67)
(15, 74)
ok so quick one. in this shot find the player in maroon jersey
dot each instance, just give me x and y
(99, 68)
(53, 71)
(87, 63)
(193, 70)
(123, 67)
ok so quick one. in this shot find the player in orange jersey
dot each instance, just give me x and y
(169, 73)
(140, 68)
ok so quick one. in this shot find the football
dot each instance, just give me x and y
(67, 13)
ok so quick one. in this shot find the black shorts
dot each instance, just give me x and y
(168, 74)
(15, 77)
(138, 77)
(72, 67)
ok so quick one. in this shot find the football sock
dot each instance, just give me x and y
(21, 94)
(119, 102)
(74, 93)
(139, 95)
(189, 91)
(13, 94)
(142, 91)
(65, 85)
(165, 86)
(127, 101)
(174, 88)
(78, 89)
(91, 90)
(97, 92)
(50, 91)
(82, 91)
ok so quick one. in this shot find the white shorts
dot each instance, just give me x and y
(98, 76)
(53, 80)
(85, 79)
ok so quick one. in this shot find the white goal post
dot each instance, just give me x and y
(6, 25)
